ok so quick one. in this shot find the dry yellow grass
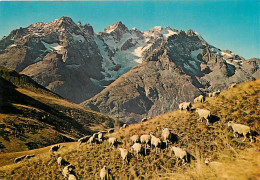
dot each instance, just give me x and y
(230, 158)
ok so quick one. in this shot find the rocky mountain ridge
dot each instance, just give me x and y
(161, 66)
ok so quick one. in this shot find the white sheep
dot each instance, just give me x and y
(112, 141)
(180, 154)
(91, 140)
(83, 139)
(137, 147)
(144, 120)
(16, 160)
(199, 99)
(110, 131)
(124, 155)
(185, 106)
(216, 93)
(55, 148)
(232, 86)
(124, 125)
(204, 114)
(210, 94)
(103, 173)
(156, 142)
(240, 129)
(100, 137)
(72, 177)
(61, 162)
(166, 135)
(67, 170)
(95, 135)
(145, 139)
(134, 138)
(29, 156)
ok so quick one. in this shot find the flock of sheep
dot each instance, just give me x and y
(140, 144)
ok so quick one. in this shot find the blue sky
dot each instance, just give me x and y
(233, 25)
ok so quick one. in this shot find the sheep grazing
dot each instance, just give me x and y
(240, 129)
(29, 156)
(232, 86)
(72, 177)
(156, 142)
(83, 139)
(185, 106)
(61, 162)
(91, 140)
(144, 120)
(180, 154)
(103, 173)
(124, 125)
(112, 141)
(55, 148)
(145, 139)
(166, 135)
(16, 160)
(210, 94)
(110, 131)
(134, 138)
(95, 135)
(124, 155)
(100, 137)
(216, 93)
(199, 99)
(137, 147)
(67, 170)
(204, 114)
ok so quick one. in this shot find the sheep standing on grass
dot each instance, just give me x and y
(103, 173)
(124, 155)
(240, 129)
(137, 147)
(110, 131)
(166, 135)
(67, 170)
(180, 154)
(145, 139)
(55, 148)
(134, 139)
(185, 106)
(199, 99)
(61, 162)
(232, 86)
(91, 140)
(16, 160)
(204, 114)
(144, 120)
(210, 94)
(112, 142)
(83, 139)
(216, 93)
(29, 156)
(124, 125)
(72, 177)
(100, 137)
(156, 142)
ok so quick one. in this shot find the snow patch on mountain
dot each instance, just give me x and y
(79, 37)
(54, 46)
(194, 54)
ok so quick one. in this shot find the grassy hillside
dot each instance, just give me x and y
(31, 116)
(230, 158)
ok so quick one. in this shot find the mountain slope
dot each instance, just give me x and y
(178, 70)
(32, 116)
(230, 157)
